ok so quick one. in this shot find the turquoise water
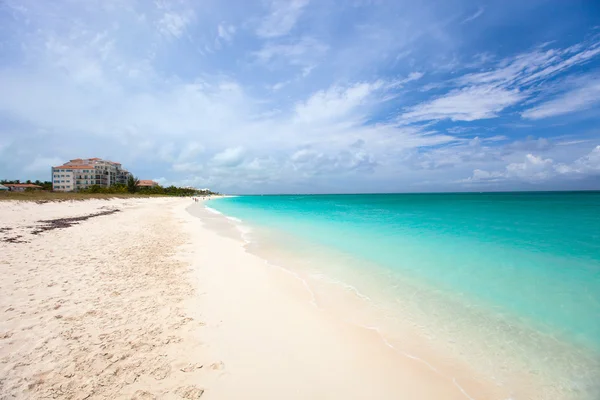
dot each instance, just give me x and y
(531, 256)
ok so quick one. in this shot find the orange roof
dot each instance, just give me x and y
(76, 166)
(95, 158)
(147, 182)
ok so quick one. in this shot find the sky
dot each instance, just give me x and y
(306, 96)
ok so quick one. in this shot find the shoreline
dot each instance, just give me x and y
(518, 376)
(424, 373)
(163, 299)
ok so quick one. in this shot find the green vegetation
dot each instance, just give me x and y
(99, 192)
(132, 184)
(146, 190)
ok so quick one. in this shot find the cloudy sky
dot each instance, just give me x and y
(288, 96)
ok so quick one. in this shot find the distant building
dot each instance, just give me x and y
(21, 187)
(3, 188)
(147, 183)
(81, 173)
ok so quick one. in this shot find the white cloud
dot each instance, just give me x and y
(311, 162)
(484, 95)
(529, 145)
(280, 85)
(174, 23)
(581, 98)
(460, 153)
(532, 67)
(460, 129)
(399, 83)
(584, 165)
(476, 15)
(468, 104)
(482, 175)
(283, 16)
(556, 67)
(229, 157)
(190, 151)
(306, 52)
(537, 169)
(307, 70)
(532, 169)
(226, 32)
(335, 103)
(509, 71)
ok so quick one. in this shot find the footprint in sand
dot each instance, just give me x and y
(191, 367)
(182, 322)
(162, 372)
(217, 365)
(172, 339)
(6, 335)
(143, 395)
(190, 392)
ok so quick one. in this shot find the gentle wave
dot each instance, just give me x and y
(212, 210)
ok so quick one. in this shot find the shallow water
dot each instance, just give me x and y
(509, 282)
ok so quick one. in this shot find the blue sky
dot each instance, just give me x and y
(306, 96)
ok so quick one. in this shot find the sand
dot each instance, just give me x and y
(151, 301)
(98, 309)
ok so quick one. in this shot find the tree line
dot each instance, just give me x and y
(130, 187)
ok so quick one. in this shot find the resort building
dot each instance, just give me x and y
(81, 173)
(21, 187)
(147, 183)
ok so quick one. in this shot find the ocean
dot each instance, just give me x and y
(507, 282)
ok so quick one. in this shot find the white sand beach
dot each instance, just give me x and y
(148, 302)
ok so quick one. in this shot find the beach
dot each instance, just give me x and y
(98, 309)
(159, 298)
(143, 301)
(300, 200)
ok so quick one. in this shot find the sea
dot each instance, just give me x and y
(507, 283)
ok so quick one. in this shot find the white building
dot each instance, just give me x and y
(81, 173)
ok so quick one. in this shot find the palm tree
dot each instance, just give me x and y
(132, 184)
